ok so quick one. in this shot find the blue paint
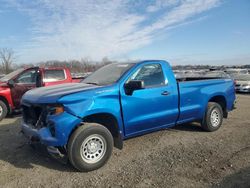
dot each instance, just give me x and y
(144, 111)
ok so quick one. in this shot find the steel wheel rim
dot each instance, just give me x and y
(93, 148)
(1, 110)
(215, 118)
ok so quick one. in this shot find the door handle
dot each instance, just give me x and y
(165, 93)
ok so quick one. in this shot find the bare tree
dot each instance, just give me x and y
(7, 58)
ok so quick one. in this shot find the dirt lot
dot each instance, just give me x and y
(184, 156)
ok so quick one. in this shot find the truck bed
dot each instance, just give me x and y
(193, 92)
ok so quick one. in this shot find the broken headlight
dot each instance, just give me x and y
(55, 109)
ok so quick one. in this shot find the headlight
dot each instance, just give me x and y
(246, 85)
(55, 109)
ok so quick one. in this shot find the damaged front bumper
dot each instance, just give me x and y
(58, 154)
(55, 133)
(42, 135)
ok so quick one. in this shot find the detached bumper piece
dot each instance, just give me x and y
(57, 154)
(42, 135)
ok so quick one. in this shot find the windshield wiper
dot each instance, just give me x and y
(93, 83)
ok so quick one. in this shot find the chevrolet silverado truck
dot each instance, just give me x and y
(83, 121)
(15, 84)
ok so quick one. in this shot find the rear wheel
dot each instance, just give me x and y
(3, 110)
(213, 117)
(90, 147)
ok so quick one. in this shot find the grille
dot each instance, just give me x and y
(34, 115)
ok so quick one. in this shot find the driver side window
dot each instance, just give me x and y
(28, 77)
(151, 74)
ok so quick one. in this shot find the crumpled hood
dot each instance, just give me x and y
(51, 94)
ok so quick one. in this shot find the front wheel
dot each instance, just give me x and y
(90, 147)
(213, 117)
(3, 110)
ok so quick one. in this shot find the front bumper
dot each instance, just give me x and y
(247, 90)
(42, 135)
(63, 125)
(243, 89)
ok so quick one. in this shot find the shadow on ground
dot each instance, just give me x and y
(16, 150)
(192, 127)
(241, 179)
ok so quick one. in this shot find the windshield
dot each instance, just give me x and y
(11, 75)
(108, 74)
(245, 77)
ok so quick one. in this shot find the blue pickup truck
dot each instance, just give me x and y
(83, 121)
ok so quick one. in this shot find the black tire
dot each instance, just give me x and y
(208, 124)
(3, 110)
(79, 158)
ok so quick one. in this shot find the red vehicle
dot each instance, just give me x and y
(15, 84)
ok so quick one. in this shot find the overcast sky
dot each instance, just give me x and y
(182, 32)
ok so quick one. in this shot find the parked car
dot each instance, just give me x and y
(236, 71)
(2, 75)
(119, 101)
(216, 74)
(15, 84)
(242, 83)
(180, 74)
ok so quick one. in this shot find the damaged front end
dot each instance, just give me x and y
(49, 125)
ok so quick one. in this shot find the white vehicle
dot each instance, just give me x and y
(236, 71)
(217, 74)
(242, 83)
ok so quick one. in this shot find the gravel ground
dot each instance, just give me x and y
(184, 156)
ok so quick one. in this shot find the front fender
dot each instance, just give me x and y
(101, 100)
(5, 94)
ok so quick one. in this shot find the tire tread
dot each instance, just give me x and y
(206, 124)
(75, 136)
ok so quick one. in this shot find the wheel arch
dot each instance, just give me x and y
(2, 98)
(107, 120)
(221, 100)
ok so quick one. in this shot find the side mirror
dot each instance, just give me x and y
(133, 85)
(11, 83)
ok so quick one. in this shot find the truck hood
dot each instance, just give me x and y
(51, 94)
